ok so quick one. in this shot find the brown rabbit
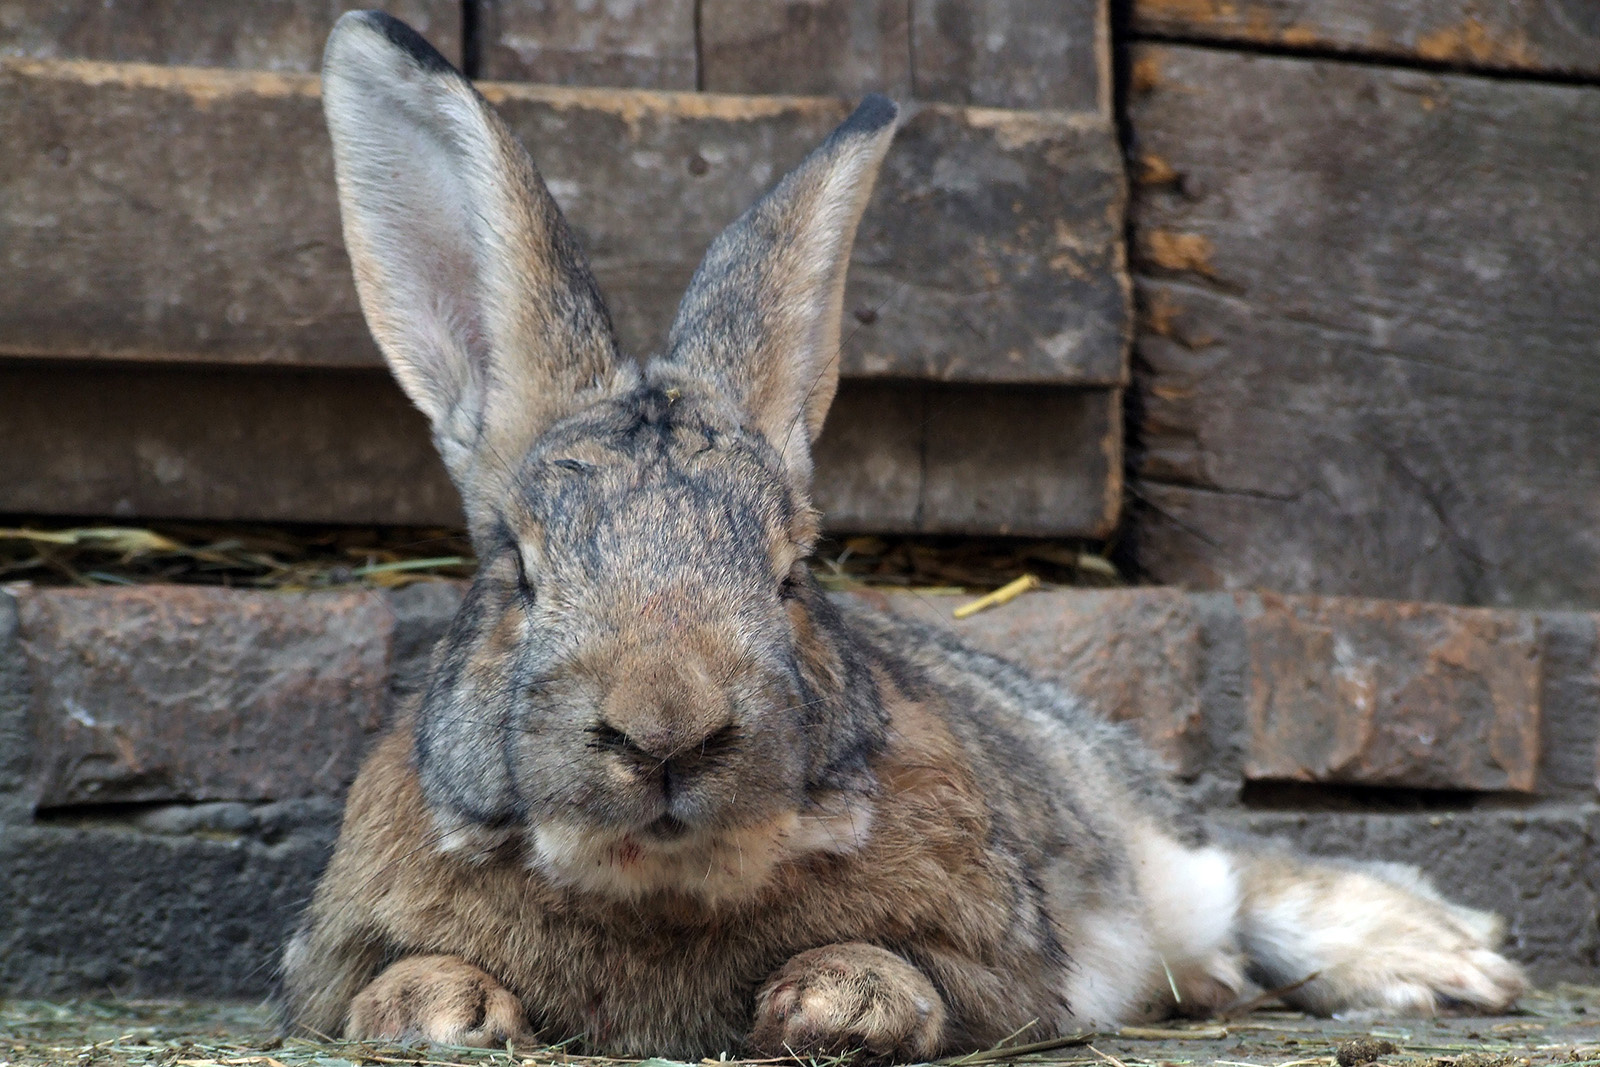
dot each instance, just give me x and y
(664, 793)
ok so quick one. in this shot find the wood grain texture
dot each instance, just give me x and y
(1560, 36)
(281, 35)
(1369, 360)
(294, 445)
(828, 47)
(1013, 53)
(183, 214)
(640, 44)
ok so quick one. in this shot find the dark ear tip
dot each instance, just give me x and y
(397, 33)
(871, 115)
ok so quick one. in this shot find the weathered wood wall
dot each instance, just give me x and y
(1368, 358)
(164, 215)
(1362, 235)
(1539, 37)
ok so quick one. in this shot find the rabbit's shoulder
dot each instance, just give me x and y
(1026, 733)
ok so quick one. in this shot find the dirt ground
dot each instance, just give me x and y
(1558, 1026)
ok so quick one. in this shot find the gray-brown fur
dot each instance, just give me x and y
(661, 792)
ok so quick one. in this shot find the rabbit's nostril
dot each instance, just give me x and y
(663, 744)
(608, 738)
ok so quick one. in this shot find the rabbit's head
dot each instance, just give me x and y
(644, 689)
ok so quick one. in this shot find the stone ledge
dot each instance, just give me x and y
(97, 909)
(198, 897)
(159, 693)
(1390, 693)
(218, 695)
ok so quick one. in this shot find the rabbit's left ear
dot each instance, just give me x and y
(760, 320)
(471, 282)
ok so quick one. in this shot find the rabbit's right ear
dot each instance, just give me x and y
(471, 282)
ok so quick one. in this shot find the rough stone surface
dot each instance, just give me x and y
(102, 909)
(197, 897)
(1388, 693)
(161, 693)
(1537, 869)
(14, 746)
(1569, 704)
(643, 44)
(252, 34)
(827, 47)
(1131, 655)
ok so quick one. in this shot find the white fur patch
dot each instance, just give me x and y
(717, 867)
(1112, 961)
(1192, 898)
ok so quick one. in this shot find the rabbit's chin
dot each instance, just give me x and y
(717, 867)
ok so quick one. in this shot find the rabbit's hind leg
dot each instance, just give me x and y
(439, 999)
(1369, 937)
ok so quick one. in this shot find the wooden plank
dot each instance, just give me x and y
(282, 35)
(1370, 345)
(1560, 36)
(184, 214)
(641, 44)
(827, 47)
(290, 445)
(1013, 53)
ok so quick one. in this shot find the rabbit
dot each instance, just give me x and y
(664, 794)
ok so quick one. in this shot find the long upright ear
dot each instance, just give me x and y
(471, 282)
(761, 316)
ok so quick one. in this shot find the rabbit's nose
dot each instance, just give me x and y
(663, 745)
(665, 713)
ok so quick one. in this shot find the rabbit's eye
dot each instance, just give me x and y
(524, 586)
(789, 588)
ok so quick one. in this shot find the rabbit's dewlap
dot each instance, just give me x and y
(661, 791)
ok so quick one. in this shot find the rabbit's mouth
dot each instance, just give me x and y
(671, 857)
(666, 828)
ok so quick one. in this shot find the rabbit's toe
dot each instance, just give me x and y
(847, 997)
(440, 999)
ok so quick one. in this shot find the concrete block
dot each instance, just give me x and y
(108, 910)
(160, 693)
(1390, 693)
(14, 746)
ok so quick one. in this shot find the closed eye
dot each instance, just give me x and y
(524, 586)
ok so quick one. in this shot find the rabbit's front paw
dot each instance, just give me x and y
(440, 999)
(845, 997)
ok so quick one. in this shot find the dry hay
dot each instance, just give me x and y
(1558, 1028)
(299, 558)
